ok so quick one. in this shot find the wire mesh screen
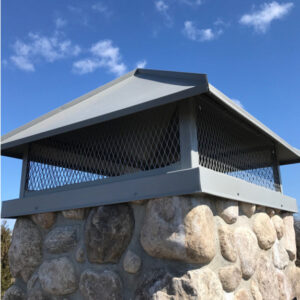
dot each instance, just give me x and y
(228, 145)
(140, 142)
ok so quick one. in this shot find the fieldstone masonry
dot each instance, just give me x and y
(186, 247)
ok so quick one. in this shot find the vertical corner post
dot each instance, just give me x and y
(24, 173)
(188, 134)
(276, 169)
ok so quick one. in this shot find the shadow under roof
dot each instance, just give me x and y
(136, 91)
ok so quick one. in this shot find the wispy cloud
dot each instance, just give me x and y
(102, 8)
(141, 64)
(39, 48)
(103, 55)
(191, 2)
(238, 102)
(60, 22)
(163, 8)
(268, 12)
(201, 35)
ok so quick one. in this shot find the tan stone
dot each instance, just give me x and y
(280, 256)
(179, 228)
(284, 287)
(279, 226)
(226, 240)
(247, 249)
(199, 235)
(228, 210)
(255, 291)
(297, 231)
(242, 294)
(293, 276)
(206, 283)
(289, 237)
(265, 277)
(248, 209)
(44, 220)
(132, 262)
(264, 230)
(230, 277)
(77, 214)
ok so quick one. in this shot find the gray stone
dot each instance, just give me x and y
(161, 285)
(14, 293)
(247, 249)
(76, 214)
(34, 289)
(280, 256)
(61, 239)
(196, 284)
(264, 230)
(132, 262)
(289, 237)
(270, 211)
(248, 208)
(108, 232)
(230, 277)
(58, 276)
(179, 228)
(44, 220)
(25, 252)
(228, 210)
(278, 225)
(80, 255)
(226, 240)
(105, 285)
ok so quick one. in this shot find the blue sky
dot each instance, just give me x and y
(54, 51)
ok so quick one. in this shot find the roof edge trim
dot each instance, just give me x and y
(232, 105)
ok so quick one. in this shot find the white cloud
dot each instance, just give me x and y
(60, 22)
(141, 64)
(163, 8)
(103, 55)
(48, 48)
(200, 35)
(238, 102)
(102, 8)
(191, 2)
(261, 19)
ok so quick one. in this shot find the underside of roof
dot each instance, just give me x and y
(136, 91)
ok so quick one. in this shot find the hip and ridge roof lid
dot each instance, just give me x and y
(135, 91)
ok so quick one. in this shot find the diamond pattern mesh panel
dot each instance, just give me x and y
(140, 142)
(228, 145)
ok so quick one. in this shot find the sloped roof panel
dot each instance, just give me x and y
(135, 91)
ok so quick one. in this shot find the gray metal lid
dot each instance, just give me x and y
(136, 91)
